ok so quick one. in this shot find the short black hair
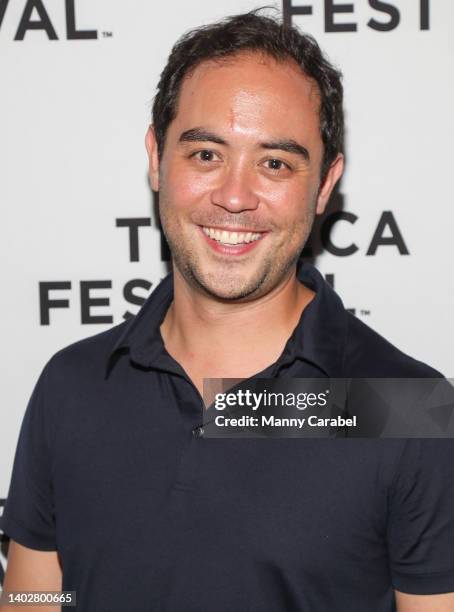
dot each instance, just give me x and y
(253, 31)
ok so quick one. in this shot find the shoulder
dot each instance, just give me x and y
(87, 357)
(368, 354)
(74, 378)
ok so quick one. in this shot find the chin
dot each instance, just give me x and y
(230, 289)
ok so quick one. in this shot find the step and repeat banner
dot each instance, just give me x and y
(80, 245)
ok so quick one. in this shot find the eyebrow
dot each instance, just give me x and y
(287, 145)
(200, 135)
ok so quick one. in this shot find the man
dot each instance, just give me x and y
(116, 493)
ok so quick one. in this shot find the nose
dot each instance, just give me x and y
(235, 192)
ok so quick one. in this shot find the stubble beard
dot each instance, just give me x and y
(229, 283)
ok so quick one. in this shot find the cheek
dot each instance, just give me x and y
(188, 186)
(290, 205)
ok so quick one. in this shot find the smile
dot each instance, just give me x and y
(230, 238)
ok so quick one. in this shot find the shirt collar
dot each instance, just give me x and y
(319, 337)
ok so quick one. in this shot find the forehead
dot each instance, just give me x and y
(249, 90)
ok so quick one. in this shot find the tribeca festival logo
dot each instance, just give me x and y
(383, 233)
(88, 301)
(35, 15)
(340, 16)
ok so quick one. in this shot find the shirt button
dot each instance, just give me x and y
(198, 432)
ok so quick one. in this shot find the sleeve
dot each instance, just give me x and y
(421, 518)
(29, 515)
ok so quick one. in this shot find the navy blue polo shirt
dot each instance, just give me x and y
(148, 515)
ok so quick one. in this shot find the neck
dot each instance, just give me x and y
(215, 339)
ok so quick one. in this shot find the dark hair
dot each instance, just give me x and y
(252, 32)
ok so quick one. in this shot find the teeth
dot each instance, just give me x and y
(230, 237)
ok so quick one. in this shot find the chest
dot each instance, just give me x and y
(295, 502)
(138, 495)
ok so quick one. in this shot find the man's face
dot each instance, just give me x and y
(239, 178)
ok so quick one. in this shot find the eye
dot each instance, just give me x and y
(276, 165)
(205, 155)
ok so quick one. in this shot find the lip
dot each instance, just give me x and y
(234, 249)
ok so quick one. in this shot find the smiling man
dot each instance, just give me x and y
(240, 183)
(116, 493)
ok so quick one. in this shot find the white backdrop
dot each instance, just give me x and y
(73, 116)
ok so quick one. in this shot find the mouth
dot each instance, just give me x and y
(231, 242)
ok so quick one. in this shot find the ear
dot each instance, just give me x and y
(332, 176)
(153, 157)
